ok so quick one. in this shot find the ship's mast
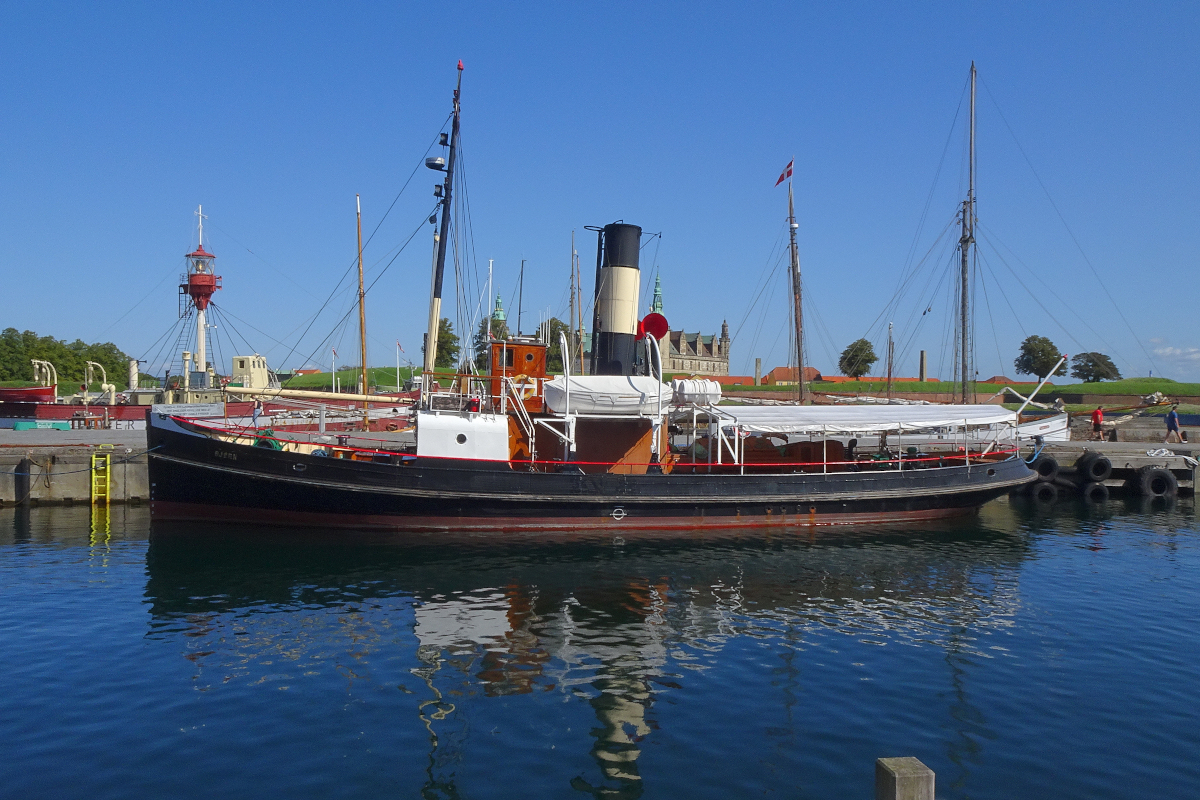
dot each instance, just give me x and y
(578, 303)
(571, 312)
(201, 321)
(890, 352)
(198, 285)
(964, 244)
(362, 315)
(439, 265)
(797, 309)
(520, 295)
(489, 313)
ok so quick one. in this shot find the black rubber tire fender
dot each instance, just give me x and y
(1157, 482)
(1094, 467)
(1095, 492)
(1044, 493)
(1046, 468)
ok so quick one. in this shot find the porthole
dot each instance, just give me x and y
(461, 438)
(529, 356)
(991, 472)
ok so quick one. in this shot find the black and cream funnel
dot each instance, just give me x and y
(614, 328)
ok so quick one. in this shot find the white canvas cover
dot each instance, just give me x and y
(864, 419)
(608, 394)
(700, 392)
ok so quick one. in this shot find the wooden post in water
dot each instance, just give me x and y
(903, 779)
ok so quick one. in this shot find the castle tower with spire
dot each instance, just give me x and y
(656, 303)
(692, 353)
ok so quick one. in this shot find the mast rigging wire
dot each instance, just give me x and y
(1070, 232)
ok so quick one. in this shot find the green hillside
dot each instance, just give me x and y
(1133, 386)
(382, 377)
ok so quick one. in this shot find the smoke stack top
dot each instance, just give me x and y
(622, 245)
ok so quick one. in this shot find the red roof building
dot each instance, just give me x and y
(786, 376)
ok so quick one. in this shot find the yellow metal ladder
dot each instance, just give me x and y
(101, 477)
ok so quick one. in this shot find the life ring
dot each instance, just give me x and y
(392, 427)
(525, 386)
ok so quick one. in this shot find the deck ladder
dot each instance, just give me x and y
(101, 477)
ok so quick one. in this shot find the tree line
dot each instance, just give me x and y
(69, 358)
(1037, 356)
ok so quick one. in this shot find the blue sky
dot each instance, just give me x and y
(119, 120)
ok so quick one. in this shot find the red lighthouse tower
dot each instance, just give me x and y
(198, 286)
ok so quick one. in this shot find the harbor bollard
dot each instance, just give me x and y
(902, 779)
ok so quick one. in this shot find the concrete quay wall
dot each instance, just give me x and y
(55, 467)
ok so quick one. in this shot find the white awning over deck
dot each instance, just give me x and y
(863, 419)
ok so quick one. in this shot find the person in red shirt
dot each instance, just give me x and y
(1098, 423)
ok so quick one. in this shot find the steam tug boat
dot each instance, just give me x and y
(515, 448)
(518, 449)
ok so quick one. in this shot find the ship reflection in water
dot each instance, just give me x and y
(622, 625)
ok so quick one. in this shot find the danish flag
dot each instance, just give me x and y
(787, 172)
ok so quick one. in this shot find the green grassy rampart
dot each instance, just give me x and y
(348, 378)
(1136, 386)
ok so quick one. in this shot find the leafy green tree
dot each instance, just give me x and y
(856, 360)
(447, 345)
(1038, 356)
(480, 344)
(554, 358)
(70, 359)
(1093, 367)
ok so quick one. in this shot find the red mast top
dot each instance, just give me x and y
(201, 253)
(201, 282)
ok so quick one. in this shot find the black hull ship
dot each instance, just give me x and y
(199, 472)
(511, 447)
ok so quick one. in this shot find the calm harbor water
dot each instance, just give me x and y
(1027, 653)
